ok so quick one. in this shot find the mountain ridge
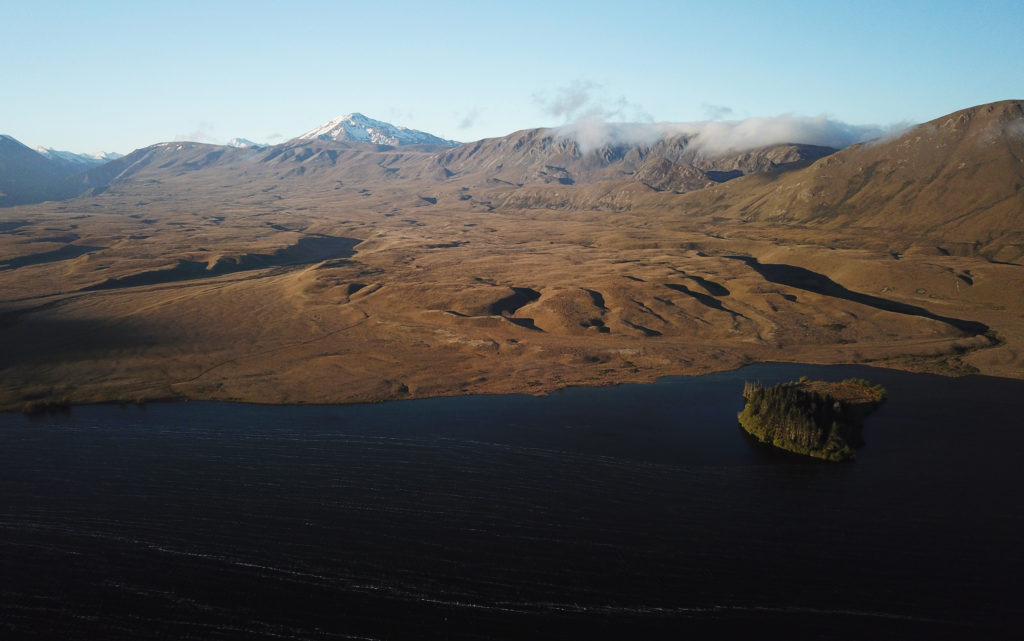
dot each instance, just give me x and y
(929, 178)
(355, 127)
(74, 159)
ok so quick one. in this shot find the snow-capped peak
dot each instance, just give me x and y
(83, 160)
(105, 155)
(245, 142)
(356, 127)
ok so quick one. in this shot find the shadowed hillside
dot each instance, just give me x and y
(26, 176)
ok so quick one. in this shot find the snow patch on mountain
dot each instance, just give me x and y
(70, 158)
(245, 142)
(356, 127)
(105, 155)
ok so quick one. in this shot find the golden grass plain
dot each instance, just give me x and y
(623, 296)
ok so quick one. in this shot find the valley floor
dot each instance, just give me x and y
(113, 299)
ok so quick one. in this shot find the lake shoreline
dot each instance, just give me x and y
(46, 407)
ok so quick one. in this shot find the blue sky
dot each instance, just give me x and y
(116, 76)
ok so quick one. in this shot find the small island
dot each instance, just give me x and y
(815, 418)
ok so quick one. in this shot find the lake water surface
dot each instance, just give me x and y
(639, 511)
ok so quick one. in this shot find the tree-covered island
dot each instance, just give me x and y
(816, 418)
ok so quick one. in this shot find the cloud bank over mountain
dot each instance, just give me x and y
(725, 135)
(594, 119)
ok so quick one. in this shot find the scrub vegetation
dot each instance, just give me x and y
(814, 418)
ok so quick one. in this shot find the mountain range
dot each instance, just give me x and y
(27, 178)
(78, 162)
(958, 174)
(345, 144)
(34, 175)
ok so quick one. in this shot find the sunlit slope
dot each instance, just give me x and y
(957, 180)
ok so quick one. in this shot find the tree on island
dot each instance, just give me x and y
(814, 418)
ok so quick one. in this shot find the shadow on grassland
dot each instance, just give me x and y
(810, 281)
(64, 253)
(311, 249)
(26, 339)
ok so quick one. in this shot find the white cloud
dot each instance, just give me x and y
(594, 133)
(469, 119)
(787, 128)
(720, 136)
(716, 112)
(583, 100)
(204, 132)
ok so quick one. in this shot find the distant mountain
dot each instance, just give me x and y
(672, 163)
(358, 128)
(162, 160)
(26, 176)
(501, 167)
(33, 175)
(77, 162)
(246, 143)
(345, 148)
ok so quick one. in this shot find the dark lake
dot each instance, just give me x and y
(640, 511)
